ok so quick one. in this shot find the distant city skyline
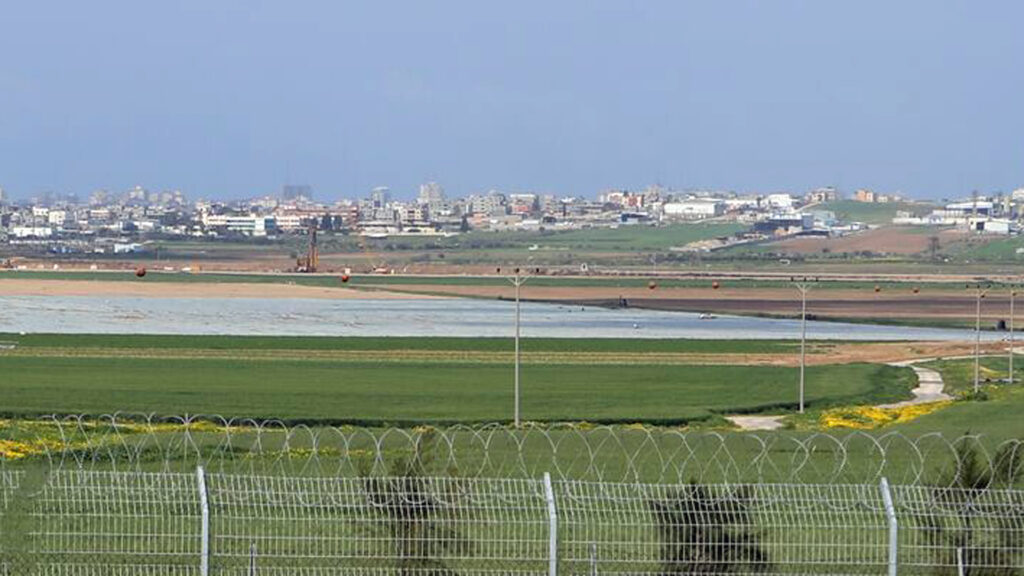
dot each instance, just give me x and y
(432, 192)
(235, 99)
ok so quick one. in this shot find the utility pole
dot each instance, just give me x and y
(517, 280)
(979, 293)
(803, 286)
(1013, 294)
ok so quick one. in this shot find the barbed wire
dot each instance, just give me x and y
(604, 453)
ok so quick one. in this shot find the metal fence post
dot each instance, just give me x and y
(890, 514)
(204, 532)
(549, 495)
(252, 558)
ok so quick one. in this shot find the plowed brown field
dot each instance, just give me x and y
(824, 303)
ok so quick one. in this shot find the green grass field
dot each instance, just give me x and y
(383, 388)
(630, 237)
(389, 381)
(368, 392)
(378, 381)
(383, 344)
(624, 238)
(992, 249)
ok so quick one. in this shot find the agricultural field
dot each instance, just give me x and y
(912, 301)
(422, 380)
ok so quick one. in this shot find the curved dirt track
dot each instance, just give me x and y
(929, 389)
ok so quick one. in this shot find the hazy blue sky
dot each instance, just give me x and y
(229, 99)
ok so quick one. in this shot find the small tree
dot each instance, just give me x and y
(704, 533)
(933, 247)
(418, 523)
(992, 548)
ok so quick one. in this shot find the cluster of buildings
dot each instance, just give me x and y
(1000, 214)
(872, 197)
(104, 222)
(118, 222)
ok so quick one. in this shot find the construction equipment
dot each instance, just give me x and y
(311, 261)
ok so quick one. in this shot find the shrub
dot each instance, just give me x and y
(986, 543)
(418, 523)
(705, 533)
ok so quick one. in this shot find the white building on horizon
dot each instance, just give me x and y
(694, 209)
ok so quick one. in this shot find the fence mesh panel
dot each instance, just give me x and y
(117, 523)
(9, 483)
(87, 522)
(945, 529)
(374, 524)
(726, 529)
(9, 480)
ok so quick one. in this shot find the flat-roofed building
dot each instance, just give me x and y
(694, 209)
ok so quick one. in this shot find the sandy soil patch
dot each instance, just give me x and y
(892, 352)
(141, 288)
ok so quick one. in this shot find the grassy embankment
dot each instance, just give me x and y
(878, 214)
(997, 414)
(994, 414)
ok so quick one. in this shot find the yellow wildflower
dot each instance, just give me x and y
(14, 450)
(870, 417)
